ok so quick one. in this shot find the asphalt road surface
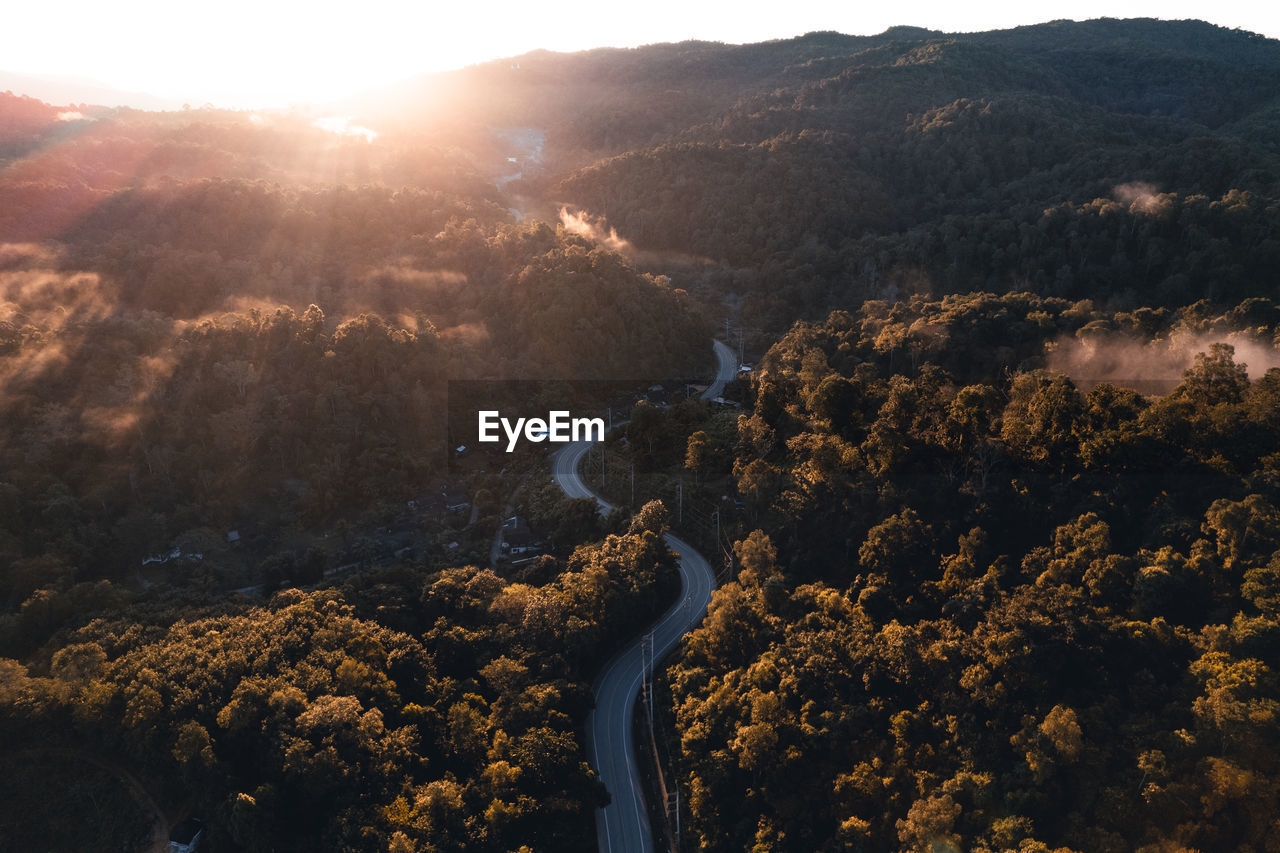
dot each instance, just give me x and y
(623, 825)
(726, 370)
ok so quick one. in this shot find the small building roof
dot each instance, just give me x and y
(518, 537)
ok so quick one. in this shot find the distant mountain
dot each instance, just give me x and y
(808, 173)
(834, 166)
(617, 99)
(80, 90)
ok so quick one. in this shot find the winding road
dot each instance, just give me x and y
(623, 825)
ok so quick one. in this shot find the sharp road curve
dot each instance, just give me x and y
(623, 825)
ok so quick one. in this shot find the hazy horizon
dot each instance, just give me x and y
(266, 58)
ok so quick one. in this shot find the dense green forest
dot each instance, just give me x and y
(197, 354)
(999, 501)
(311, 723)
(990, 614)
(1126, 158)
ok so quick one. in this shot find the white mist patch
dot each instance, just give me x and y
(342, 126)
(1144, 365)
(1141, 197)
(594, 230)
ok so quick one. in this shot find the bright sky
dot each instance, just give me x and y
(249, 53)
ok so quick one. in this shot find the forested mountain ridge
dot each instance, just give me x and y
(1101, 61)
(980, 608)
(817, 181)
(203, 316)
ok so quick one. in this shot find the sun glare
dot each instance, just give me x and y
(252, 54)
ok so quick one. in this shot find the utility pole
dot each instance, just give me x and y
(676, 783)
(633, 484)
(680, 500)
(644, 670)
(646, 673)
(650, 685)
(741, 357)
